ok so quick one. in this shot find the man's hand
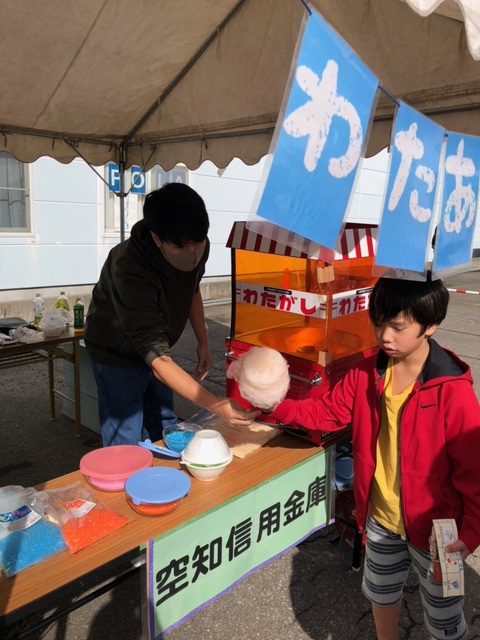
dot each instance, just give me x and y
(182, 383)
(458, 545)
(233, 413)
(204, 362)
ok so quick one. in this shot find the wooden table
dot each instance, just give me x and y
(44, 583)
(49, 349)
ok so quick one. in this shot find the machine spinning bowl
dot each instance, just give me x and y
(304, 341)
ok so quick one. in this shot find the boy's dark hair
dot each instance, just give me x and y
(176, 214)
(422, 302)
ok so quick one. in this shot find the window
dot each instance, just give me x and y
(133, 210)
(144, 183)
(14, 212)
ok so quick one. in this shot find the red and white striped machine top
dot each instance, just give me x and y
(356, 241)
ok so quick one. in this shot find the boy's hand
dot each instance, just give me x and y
(458, 545)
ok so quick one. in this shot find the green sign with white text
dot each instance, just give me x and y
(196, 562)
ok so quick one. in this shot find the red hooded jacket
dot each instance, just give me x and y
(439, 440)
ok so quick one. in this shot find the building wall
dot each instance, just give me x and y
(68, 243)
(62, 246)
(228, 198)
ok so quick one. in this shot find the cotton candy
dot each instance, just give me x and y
(262, 377)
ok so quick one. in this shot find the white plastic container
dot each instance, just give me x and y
(204, 472)
(53, 323)
(13, 497)
(207, 447)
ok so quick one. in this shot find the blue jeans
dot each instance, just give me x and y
(132, 404)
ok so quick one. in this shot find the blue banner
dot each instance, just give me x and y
(404, 232)
(321, 139)
(454, 238)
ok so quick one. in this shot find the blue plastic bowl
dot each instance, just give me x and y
(344, 472)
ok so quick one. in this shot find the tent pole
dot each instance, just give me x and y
(121, 168)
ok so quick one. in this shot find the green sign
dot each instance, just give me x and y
(198, 561)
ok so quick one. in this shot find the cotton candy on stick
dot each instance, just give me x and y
(262, 377)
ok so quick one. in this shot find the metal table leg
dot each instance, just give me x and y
(51, 386)
(76, 385)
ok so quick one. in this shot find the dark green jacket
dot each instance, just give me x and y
(141, 304)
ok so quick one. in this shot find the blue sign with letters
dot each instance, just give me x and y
(138, 181)
(321, 138)
(404, 233)
(453, 246)
(113, 177)
(161, 177)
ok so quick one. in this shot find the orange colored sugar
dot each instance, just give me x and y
(153, 509)
(96, 524)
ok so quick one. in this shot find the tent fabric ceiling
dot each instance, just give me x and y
(466, 10)
(168, 81)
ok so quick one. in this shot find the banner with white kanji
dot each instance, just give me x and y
(454, 236)
(404, 235)
(303, 303)
(319, 139)
(198, 561)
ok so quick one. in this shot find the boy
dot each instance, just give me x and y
(416, 436)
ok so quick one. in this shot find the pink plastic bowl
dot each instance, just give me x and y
(108, 468)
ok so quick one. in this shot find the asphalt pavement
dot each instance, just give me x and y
(310, 592)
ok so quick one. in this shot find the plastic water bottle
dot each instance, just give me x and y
(62, 302)
(78, 316)
(38, 309)
(62, 305)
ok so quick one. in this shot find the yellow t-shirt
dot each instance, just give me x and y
(385, 490)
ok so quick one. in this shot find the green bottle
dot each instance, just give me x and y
(78, 316)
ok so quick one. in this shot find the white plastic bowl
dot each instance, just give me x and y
(206, 474)
(207, 447)
(51, 332)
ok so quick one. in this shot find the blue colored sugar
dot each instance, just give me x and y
(22, 549)
(178, 440)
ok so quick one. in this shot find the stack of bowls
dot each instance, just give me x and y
(207, 455)
(156, 491)
(108, 468)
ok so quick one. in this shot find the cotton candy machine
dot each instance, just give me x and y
(314, 313)
(309, 340)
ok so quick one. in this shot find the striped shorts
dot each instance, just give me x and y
(388, 558)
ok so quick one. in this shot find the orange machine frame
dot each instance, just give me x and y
(314, 313)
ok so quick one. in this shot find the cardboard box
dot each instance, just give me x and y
(447, 568)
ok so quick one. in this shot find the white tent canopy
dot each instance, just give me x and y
(167, 81)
